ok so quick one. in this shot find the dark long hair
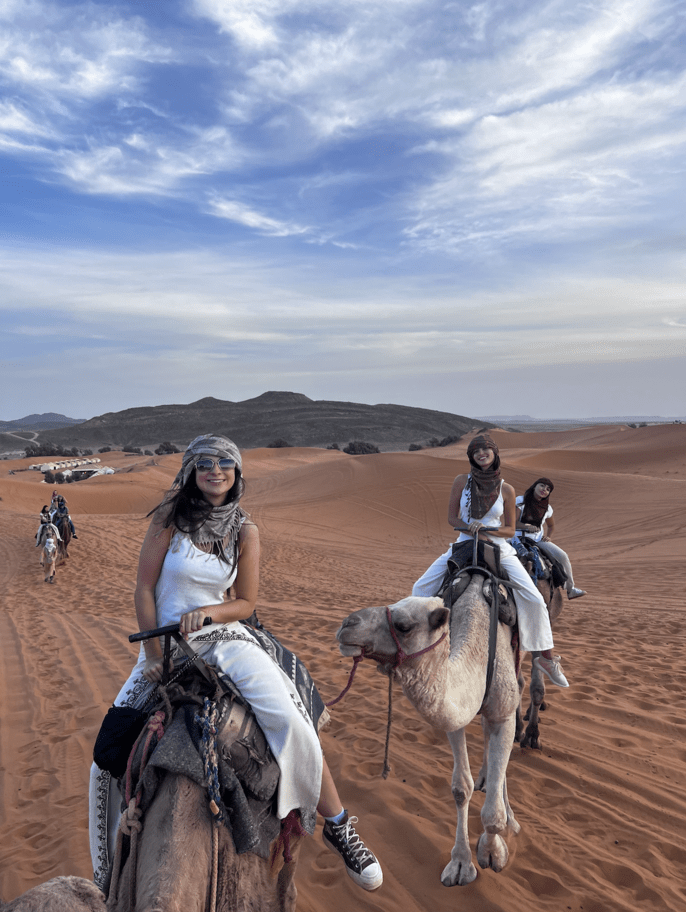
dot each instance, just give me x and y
(534, 509)
(186, 509)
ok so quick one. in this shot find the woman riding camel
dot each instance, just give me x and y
(199, 545)
(62, 511)
(483, 500)
(535, 517)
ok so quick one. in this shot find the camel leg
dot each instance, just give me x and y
(537, 693)
(492, 849)
(460, 869)
(519, 724)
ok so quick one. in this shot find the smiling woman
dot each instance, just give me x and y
(482, 504)
(200, 560)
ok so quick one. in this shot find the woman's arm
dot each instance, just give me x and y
(245, 587)
(548, 528)
(454, 504)
(153, 551)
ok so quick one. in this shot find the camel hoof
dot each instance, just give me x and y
(456, 874)
(480, 784)
(492, 852)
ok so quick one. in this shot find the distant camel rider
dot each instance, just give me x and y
(63, 510)
(535, 518)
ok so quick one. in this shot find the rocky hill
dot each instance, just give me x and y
(258, 422)
(45, 421)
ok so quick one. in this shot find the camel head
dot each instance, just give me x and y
(418, 623)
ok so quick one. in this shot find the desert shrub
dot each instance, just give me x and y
(333, 446)
(47, 449)
(278, 443)
(86, 452)
(49, 477)
(148, 453)
(165, 448)
(414, 446)
(433, 443)
(59, 477)
(69, 478)
(105, 449)
(132, 449)
(360, 448)
(448, 440)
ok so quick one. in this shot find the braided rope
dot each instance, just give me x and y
(207, 720)
(130, 823)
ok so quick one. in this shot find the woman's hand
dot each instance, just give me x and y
(152, 671)
(475, 525)
(192, 621)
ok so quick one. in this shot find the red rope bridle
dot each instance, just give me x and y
(400, 656)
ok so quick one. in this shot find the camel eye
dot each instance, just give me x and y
(402, 626)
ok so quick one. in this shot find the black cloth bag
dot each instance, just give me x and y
(118, 732)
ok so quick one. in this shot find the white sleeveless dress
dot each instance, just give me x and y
(534, 623)
(192, 578)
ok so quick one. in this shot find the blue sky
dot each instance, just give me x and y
(476, 207)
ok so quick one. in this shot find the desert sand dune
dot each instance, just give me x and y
(602, 806)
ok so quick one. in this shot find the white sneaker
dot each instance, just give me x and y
(575, 593)
(360, 863)
(553, 669)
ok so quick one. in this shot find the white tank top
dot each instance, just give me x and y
(189, 578)
(492, 518)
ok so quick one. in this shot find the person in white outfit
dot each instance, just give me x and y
(483, 500)
(535, 518)
(200, 546)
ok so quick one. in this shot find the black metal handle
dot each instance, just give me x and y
(161, 631)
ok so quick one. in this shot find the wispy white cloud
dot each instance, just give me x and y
(245, 215)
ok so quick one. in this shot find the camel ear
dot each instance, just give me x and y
(438, 617)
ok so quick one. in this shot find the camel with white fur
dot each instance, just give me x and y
(447, 685)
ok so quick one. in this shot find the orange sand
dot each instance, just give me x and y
(602, 807)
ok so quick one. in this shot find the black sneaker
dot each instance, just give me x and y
(360, 863)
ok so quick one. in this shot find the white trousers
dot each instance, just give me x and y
(279, 711)
(553, 550)
(535, 632)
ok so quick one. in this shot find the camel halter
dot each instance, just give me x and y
(400, 658)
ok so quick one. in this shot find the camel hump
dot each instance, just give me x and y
(61, 894)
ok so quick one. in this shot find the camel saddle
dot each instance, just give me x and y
(456, 579)
(248, 773)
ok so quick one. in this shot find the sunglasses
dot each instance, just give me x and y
(206, 464)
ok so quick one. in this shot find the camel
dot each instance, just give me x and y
(446, 683)
(62, 524)
(183, 861)
(555, 602)
(174, 868)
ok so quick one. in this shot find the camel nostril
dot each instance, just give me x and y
(350, 621)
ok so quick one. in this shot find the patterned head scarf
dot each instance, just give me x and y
(533, 511)
(484, 485)
(206, 445)
(223, 523)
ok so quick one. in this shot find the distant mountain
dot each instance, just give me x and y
(615, 419)
(260, 421)
(46, 421)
